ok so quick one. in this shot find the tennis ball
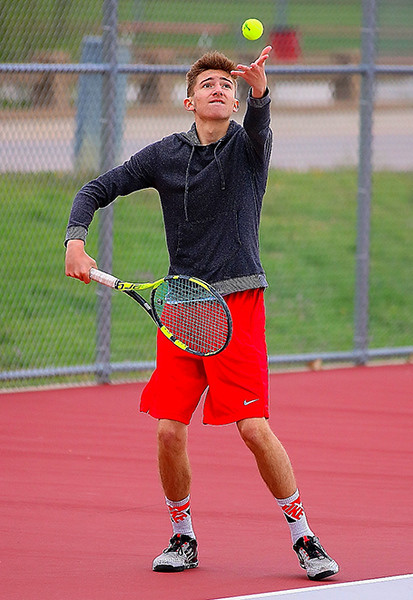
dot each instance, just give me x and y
(252, 29)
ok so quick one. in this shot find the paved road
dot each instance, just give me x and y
(307, 140)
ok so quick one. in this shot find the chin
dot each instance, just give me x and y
(219, 112)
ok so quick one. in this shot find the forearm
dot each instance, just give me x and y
(88, 200)
(98, 193)
(81, 216)
(257, 122)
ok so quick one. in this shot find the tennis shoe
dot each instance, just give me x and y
(314, 559)
(181, 554)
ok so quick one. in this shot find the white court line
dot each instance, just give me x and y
(399, 587)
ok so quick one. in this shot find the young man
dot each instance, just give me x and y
(211, 181)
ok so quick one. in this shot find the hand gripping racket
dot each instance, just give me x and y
(190, 312)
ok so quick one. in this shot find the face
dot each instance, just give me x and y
(213, 96)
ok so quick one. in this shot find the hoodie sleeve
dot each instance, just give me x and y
(257, 125)
(100, 192)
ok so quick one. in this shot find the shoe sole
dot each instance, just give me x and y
(323, 575)
(170, 569)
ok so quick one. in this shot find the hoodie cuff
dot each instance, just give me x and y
(76, 233)
(258, 102)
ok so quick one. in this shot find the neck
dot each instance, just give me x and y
(210, 132)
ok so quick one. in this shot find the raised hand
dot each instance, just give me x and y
(254, 74)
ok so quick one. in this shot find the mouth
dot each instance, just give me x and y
(217, 102)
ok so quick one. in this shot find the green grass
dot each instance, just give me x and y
(308, 234)
(308, 248)
(308, 240)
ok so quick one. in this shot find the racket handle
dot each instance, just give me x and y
(103, 278)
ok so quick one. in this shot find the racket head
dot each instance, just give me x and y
(192, 314)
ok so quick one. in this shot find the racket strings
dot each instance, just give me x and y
(192, 314)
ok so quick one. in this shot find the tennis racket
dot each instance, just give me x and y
(190, 312)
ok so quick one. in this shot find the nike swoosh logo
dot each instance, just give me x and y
(246, 402)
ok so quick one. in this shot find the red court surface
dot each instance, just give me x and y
(82, 512)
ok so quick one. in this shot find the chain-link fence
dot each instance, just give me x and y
(85, 85)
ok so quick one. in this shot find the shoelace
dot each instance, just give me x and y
(313, 550)
(175, 545)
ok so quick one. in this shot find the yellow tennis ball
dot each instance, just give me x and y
(252, 29)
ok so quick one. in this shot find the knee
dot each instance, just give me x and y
(254, 432)
(172, 435)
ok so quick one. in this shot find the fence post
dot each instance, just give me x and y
(89, 136)
(107, 161)
(368, 55)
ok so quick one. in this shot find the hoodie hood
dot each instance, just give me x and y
(191, 136)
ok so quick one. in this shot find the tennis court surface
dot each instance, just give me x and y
(82, 512)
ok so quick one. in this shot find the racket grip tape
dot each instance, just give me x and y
(104, 278)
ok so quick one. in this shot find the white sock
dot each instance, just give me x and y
(295, 514)
(180, 514)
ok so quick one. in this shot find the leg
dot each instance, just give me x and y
(171, 396)
(173, 461)
(175, 474)
(272, 460)
(275, 469)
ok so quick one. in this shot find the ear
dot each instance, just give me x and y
(236, 105)
(188, 104)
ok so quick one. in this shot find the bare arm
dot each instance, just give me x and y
(254, 74)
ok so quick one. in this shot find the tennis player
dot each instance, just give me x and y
(211, 181)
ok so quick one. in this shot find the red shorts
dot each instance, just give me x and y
(236, 380)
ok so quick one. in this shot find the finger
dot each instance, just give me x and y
(264, 55)
(241, 74)
(241, 68)
(86, 274)
(245, 69)
(261, 60)
(266, 51)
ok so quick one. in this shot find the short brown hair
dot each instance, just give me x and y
(211, 60)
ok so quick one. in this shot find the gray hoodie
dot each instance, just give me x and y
(211, 198)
